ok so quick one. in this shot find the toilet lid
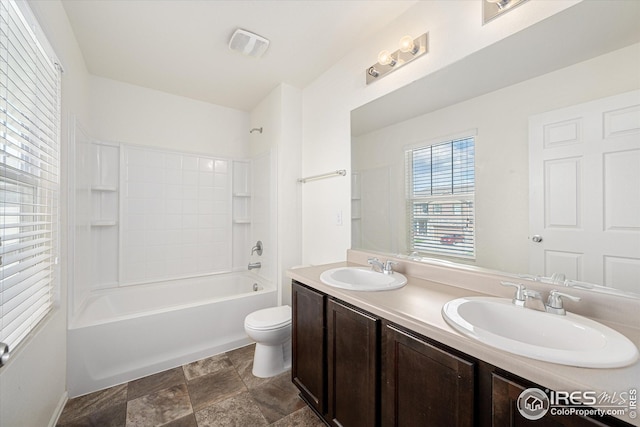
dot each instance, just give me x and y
(269, 318)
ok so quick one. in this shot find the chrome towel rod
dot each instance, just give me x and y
(341, 172)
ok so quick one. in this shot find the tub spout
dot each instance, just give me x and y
(253, 265)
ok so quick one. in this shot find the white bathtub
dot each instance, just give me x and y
(130, 332)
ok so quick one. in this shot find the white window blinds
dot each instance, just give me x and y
(440, 198)
(29, 170)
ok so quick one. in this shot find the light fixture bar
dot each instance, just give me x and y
(398, 58)
(491, 9)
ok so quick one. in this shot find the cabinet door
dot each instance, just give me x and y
(308, 345)
(505, 412)
(424, 385)
(352, 357)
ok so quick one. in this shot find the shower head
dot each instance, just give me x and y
(256, 130)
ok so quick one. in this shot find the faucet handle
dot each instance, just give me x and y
(554, 302)
(519, 297)
(388, 267)
(257, 248)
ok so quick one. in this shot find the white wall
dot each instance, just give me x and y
(501, 121)
(455, 31)
(33, 383)
(126, 113)
(279, 114)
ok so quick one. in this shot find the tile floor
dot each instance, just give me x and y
(218, 391)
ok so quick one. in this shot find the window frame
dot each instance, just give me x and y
(30, 130)
(461, 246)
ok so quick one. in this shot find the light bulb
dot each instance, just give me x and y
(385, 58)
(407, 45)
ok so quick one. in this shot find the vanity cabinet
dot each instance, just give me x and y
(353, 366)
(308, 349)
(335, 358)
(424, 385)
(355, 369)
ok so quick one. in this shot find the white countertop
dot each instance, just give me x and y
(417, 306)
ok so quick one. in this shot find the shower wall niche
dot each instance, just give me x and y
(241, 212)
(105, 183)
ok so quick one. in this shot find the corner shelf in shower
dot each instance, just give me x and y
(241, 209)
(104, 188)
(104, 223)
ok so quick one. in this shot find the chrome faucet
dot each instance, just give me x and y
(375, 262)
(558, 278)
(388, 267)
(533, 299)
(518, 298)
(554, 302)
(253, 265)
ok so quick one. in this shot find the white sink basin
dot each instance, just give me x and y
(568, 340)
(362, 279)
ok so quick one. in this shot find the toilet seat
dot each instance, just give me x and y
(269, 318)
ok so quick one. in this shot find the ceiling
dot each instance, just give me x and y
(181, 46)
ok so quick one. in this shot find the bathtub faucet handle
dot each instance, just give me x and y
(257, 248)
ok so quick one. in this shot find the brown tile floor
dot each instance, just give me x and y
(218, 391)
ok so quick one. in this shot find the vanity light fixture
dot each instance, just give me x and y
(491, 9)
(500, 3)
(409, 50)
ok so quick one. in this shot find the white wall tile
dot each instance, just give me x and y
(221, 166)
(177, 215)
(173, 161)
(189, 178)
(205, 164)
(189, 163)
(205, 179)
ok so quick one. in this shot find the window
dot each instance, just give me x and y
(29, 170)
(440, 198)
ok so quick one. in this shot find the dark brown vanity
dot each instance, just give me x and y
(355, 368)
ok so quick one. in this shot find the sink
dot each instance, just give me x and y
(362, 279)
(568, 340)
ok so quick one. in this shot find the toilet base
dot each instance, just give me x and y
(271, 360)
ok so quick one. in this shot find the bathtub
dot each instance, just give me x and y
(126, 333)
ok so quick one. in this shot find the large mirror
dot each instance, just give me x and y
(587, 52)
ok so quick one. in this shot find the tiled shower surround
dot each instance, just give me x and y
(176, 214)
(217, 391)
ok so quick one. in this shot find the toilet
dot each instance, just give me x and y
(270, 328)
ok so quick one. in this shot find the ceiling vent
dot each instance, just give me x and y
(248, 43)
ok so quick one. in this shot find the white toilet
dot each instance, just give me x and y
(270, 328)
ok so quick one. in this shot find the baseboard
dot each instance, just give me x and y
(59, 408)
